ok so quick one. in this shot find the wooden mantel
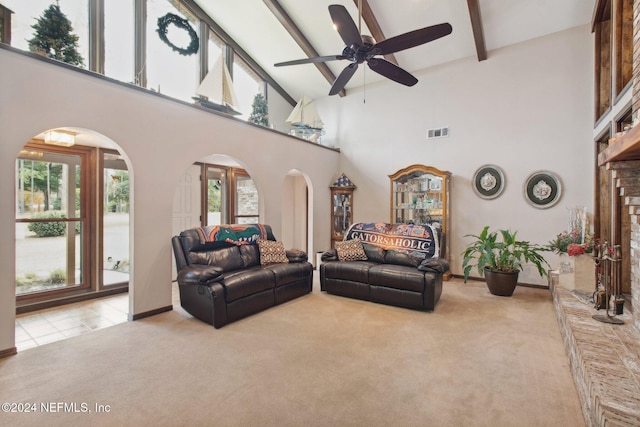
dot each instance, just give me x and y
(625, 148)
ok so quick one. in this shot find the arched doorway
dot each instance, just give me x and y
(217, 189)
(72, 219)
(297, 212)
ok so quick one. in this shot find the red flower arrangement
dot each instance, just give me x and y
(574, 249)
(568, 242)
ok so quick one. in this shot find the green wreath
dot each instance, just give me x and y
(170, 18)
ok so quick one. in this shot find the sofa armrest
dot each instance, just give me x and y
(198, 274)
(330, 255)
(434, 265)
(297, 255)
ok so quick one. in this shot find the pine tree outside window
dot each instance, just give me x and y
(29, 13)
(260, 114)
(246, 84)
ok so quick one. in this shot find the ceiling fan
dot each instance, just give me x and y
(363, 48)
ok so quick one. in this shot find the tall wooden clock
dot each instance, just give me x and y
(341, 208)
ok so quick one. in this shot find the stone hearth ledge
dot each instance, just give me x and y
(604, 360)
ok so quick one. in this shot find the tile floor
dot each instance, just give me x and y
(55, 324)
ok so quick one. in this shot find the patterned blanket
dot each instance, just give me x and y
(241, 234)
(420, 241)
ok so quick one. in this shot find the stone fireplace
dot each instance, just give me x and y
(626, 175)
(622, 157)
(604, 357)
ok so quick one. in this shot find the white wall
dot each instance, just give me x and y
(528, 107)
(160, 139)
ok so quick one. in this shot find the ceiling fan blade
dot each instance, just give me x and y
(412, 39)
(311, 60)
(391, 71)
(344, 25)
(343, 78)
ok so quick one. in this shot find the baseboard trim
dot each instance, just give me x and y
(150, 313)
(8, 352)
(481, 279)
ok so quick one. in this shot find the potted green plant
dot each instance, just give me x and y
(500, 260)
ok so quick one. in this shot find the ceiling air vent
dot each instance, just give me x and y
(437, 133)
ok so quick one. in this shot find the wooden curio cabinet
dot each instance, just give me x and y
(341, 208)
(420, 195)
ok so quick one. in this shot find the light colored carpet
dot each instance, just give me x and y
(320, 360)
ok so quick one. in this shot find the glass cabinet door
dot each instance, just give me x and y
(341, 208)
(341, 213)
(419, 195)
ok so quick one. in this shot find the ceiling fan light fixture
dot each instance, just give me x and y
(361, 48)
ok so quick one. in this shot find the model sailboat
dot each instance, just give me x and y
(306, 120)
(216, 90)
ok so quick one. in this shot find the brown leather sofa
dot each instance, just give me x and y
(222, 282)
(386, 277)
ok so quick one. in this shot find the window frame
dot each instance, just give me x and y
(87, 210)
(91, 205)
(235, 173)
(230, 202)
(100, 268)
(95, 60)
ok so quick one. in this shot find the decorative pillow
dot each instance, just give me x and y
(351, 250)
(272, 252)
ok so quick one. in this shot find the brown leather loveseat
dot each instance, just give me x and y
(229, 272)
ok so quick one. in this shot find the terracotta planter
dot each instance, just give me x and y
(501, 283)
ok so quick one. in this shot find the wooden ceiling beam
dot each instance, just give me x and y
(372, 23)
(601, 12)
(476, 26)
(281, 15)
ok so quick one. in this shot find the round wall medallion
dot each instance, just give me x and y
(542, 189)
(488, 181)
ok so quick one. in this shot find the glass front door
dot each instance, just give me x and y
(51, 226)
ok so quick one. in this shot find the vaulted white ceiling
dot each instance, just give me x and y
(504, 22)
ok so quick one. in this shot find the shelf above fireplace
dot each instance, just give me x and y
(625, 148)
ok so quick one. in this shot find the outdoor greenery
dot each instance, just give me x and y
(56, 277)
(48, 229)
(505, 255)
(118, 191)
(260, 113)
(215, 197)
(41, 177)
(53, 37)
(27, 279)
